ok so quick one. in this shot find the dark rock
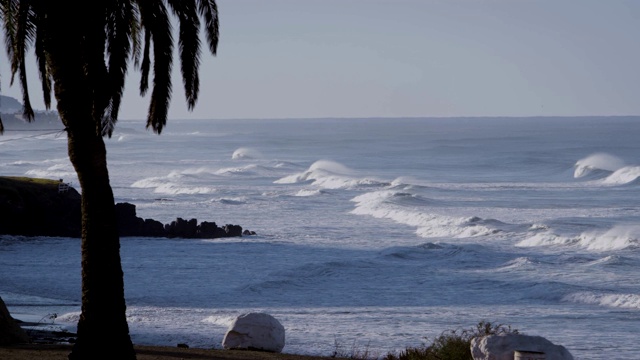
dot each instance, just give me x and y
(10, 331)
(207, 230)
(182, 228)
(41, 207)
(247, 232)
(233, 230)
(152, 228)
(35, 207)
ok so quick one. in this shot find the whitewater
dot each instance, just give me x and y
(373, 234)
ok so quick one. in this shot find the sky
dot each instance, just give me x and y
(408, 58)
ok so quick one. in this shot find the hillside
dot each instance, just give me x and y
(11, 113)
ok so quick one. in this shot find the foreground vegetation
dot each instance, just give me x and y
(452, 344)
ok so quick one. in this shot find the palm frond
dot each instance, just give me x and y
(145, 64)
(43, 68)
(9, 9)
(135, 35)
(209, 10)
(189, 46)
(118, 28)
(154, 18)
(25, 36)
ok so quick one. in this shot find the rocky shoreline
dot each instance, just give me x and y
(44, 207)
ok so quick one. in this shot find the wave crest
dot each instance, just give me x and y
(597, 161)
(626, 301)
(624, 175)
(330, 175)
(617, 238)
(245, 153)
(383, 204)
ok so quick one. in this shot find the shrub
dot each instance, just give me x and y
(451, 344)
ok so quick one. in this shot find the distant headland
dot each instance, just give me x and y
(12, 118)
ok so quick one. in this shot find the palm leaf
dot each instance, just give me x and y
(43, 69)
(189, 46)
(209, 10)
(145, 64)
(119, 21)
(25, 35)
(154, 18)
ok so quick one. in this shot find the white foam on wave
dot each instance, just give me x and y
(148, 183)
(71, 317)
(309, 192)
(330, 175)
(518, 263)
(162, 185)
(231, 201)
(546, 238)
(58, 171)
(174, 189)
(626, 301)
(611, 260)
(248, 169)
(428, 225)
(220, 320)
(617, 238)
(597, 161)
(245, 153)
(624, 175)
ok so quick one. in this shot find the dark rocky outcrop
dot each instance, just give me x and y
(10, 331)
(36, 207)
(41, 207)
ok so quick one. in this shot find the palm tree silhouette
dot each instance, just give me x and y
(83, 49)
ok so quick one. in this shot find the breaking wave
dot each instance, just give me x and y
(624, 175)
(330, 175)
(595, 162)
(384, 205)
(617, 238)
(163, 185)
(245, 153)
(625, 301)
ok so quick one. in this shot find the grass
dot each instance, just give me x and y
(451, 344)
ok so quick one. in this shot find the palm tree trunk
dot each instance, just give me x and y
(103, 332)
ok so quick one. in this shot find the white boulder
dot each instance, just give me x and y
(255, 331)
(503, 346)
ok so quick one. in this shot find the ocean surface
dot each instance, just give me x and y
(372, 234)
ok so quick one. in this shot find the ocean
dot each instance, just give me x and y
(371, 234)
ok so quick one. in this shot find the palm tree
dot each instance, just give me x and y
(82, 50)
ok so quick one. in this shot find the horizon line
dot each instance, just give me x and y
(397, 117)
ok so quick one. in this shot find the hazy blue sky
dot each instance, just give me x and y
(391, 58)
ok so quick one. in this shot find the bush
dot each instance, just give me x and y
(452, 344)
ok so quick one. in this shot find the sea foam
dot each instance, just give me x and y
(624, 175)
(617, 238)
(597, 161)
(245, 153)
(626, 301)
(330, 175)
(380, 204)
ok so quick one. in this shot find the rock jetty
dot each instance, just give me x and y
(43, 207)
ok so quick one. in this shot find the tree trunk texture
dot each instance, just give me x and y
(103, 332)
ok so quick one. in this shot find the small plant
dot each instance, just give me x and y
(355, 353)
(51, 317)
(452, 344)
